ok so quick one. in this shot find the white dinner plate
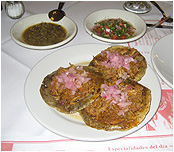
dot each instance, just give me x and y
(162, 58)
(19, 27)
(65, 125)
(132, 18)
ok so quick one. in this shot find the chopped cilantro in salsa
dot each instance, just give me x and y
(116, 29)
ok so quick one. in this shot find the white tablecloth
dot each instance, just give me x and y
(20, 131)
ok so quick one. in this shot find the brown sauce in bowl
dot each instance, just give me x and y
(44, 34)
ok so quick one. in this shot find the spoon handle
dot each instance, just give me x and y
(161, 10)
(61, 5)
(157, 24)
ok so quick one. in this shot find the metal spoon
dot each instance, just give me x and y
(161, 10)
(57, 14)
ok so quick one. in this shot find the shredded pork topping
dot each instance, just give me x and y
(116, 96)
(71, 79)
(114, 60)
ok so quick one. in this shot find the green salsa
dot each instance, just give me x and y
(44, 34)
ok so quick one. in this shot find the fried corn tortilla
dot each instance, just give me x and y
(120, 106)
(121, 62)
(71, 89)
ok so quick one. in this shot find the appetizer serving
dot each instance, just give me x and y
(105, 93)
(71, 89)
(114, 29)
(121, 105)
(121, 62)
(44, 34)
